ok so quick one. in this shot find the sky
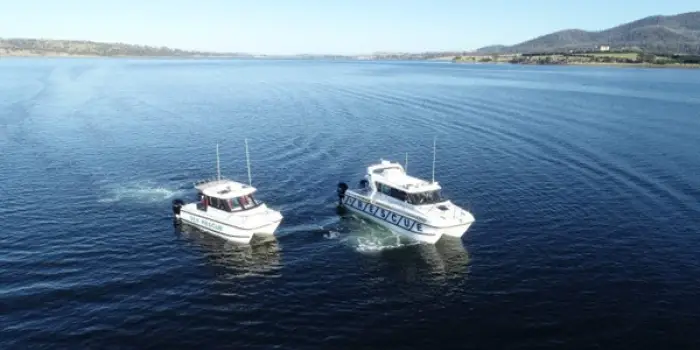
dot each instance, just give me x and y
(319, 26)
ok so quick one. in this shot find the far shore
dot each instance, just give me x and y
(588, 58)
(596, 64)
(69, 55)
(544, 60)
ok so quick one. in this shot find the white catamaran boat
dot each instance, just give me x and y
(404, 204)
(228, 209)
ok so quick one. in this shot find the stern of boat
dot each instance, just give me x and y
(177, 205)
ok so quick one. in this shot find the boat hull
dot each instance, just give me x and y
(457, 231)
(225, 231)
(395, 222)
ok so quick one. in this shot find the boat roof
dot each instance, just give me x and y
(224, 188)
(393, 174)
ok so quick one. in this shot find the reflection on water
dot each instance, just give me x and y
(447, 259)
(404, 258)
(259, 258)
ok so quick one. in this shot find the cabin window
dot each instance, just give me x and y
(383, 188)
(217, 203)
(400, 195)
(234, 204)
(391, 192)
(422, 198)
(243, 201)
(247, 202)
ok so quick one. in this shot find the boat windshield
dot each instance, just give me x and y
(243, 203)
(422, 198)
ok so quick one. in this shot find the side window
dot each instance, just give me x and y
(218, 203)
(234, 204)
(411, 199)
(241, 202)
(245, 202)
(400, 195)
(384, 189)
(390, 191)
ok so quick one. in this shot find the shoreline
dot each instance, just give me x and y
(446, 59)
(61, 55)
(595, 64)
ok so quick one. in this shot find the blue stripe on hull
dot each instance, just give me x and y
(386, 215)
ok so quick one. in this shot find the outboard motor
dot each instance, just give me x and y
(177, 205)
(342, 187)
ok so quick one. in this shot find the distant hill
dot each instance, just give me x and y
(678, 34)
(47, 47)
(659, 34)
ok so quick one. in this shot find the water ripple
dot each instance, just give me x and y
(584, 182)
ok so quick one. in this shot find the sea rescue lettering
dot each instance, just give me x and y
(394, 218)
(206, 223)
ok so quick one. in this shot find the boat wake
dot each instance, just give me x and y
(377, 244)
(332, 235)
(140, 192)
(366, 237)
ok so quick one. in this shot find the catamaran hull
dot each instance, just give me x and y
(397, 223)
(457, 231)
(227, 232)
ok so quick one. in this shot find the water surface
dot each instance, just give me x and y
(584, 183)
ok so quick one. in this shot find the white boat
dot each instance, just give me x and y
(404, 204)
(228, 209)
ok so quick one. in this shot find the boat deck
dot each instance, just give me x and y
(366, 192)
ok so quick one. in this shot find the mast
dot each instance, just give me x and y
(434, 140)
(218, 169)
(405, 166)
(247, 160)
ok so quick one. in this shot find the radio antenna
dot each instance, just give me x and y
(434, 141)
(405, 164)
(247, 159)
(218, 169)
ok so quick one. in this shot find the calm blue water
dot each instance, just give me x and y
(585, 185)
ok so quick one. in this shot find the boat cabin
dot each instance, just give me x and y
(391, 180)
(226, 195)
(413, 198)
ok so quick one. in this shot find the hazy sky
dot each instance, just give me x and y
(319, 26)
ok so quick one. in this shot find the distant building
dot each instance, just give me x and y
(604, 48)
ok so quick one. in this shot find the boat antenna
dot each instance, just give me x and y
(405, 166)
(218, 169)
(247, 160)
(434, 140)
